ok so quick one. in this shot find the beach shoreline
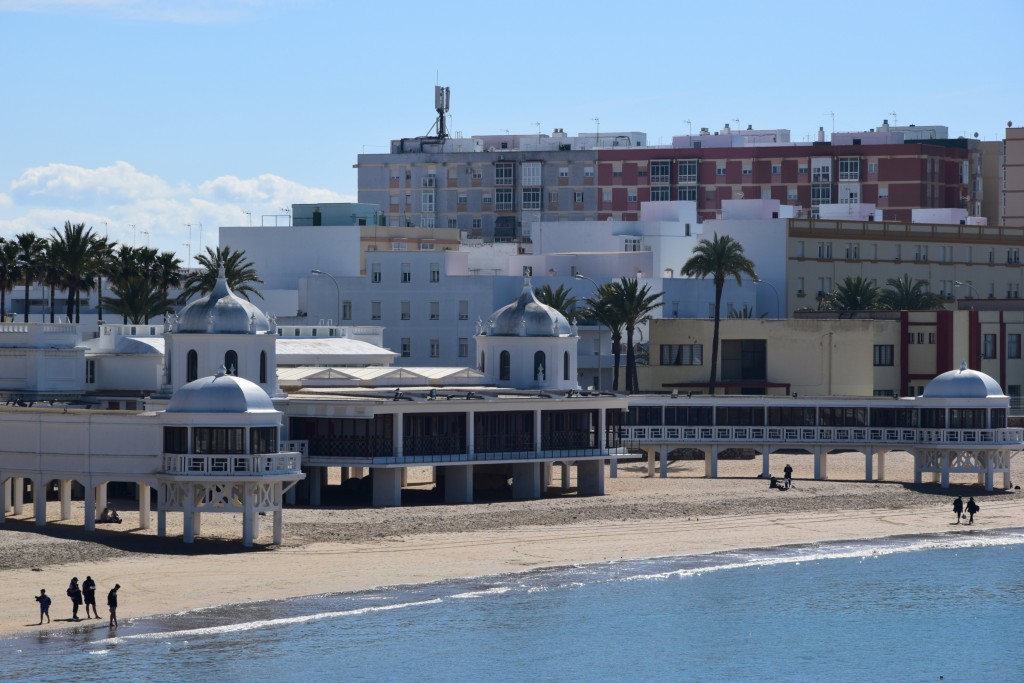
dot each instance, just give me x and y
(341, 550)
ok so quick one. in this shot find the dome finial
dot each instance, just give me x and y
(221, 371)
(963, 365)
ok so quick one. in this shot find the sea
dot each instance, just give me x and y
(945, 607)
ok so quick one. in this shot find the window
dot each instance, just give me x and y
(374, 272)
(374, 310)
(931, 337)
(503, 174)
(577, 197)
(399, 246)
(463, 309)
(791, 194)
(463, 200)
(849, 168)
(800, 286)
(563, 172)
(406, 347)
(588, 172)
(503, 201)
(225, 440)
(263, 440)
(231, 362)
(824, 250)
(802, 169)
(428, 200)
(852, 251)
(776, 169)
(531, 199)
(883, 354)
(486, 199)
(606, 194)
(263, 367)
(631, 196)
(191, 366)
(565, 365)
(532, 174)
(821, 170)
(90, 372)
(463, 347)
(660, 171)
(175, 439)
(504, 365)
(720, 169)
(435, 272)
(747, 170)
(872, 167)
(539, 367)
(659, 194)
(1013, 346)
(688, 171)
(435, 348)
(483, 362)
(406, 272)
(688, 194)
(346, 310)
(632, 243)
(477, 174)
(682, 354)
(988, 346)
(821, 194)
(435, 310)
(477, 223)
(405, 310)
(883, 191)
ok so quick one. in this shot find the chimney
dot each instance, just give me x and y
(821, 133)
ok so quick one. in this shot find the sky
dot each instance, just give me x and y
(142, 118)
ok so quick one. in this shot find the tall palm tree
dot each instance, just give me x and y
(560, 299)
(908, 294)
(167, 272)
(635, 305)
(8, 273)
(137, 298)
(721, 258)
(77, 252)
(853, 294)
(52, 277)
(238, 271)
(130, 277)
(31, 261)
(601, 310)
(104, 257)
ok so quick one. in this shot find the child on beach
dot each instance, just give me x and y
(44, 605)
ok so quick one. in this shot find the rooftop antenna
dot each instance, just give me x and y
(833, 115)
(597, 122)
(537, 123)
(442, 99)
(893, 115)
(689, 127)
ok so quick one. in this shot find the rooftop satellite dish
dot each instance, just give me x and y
(975, 133)
(1009, 124)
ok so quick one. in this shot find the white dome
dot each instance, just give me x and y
(220, 394)
(229, 313)
(963, 383)
(527, 317)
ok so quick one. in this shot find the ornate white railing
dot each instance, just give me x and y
(802, 435)
(228, 465)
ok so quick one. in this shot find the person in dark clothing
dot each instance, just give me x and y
(972, 507)
(89, 595)
(958, 507)
(75, 593)
(787, 475)
(44, 605)
(112, 604)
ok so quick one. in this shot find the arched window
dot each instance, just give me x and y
(231, 362)
(263, 367)
(565, 365)
(483, 362)
(505, 365)
(539, 371)
(192, 366)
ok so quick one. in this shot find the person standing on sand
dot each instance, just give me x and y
(972, 507)
(75, 593)
(44, 605)
(787, 474)
(958, 507)
(112, 604)
(89, 595)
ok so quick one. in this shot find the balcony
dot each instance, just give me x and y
(232, 465)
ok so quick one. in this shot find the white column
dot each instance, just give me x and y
(89, 505)
(663, 454)
(712, 457)
(525, 480)
(819, 456)
(1007, 484)
(197, 523)
(161, 523)
(881, 464)
(766, 461)
(387, 487)
(918, 464)
(248, 515)
(458, 484)
(650, 462)
(471, 433)
(990, 470)
(590, 478)
(566, 476)
(944, 469)
(144, 495)
(19, 494)
(65, 499)
(613, 468)
(278, 526)
(39, 501)
(405, 476)
(101, 496)
(538, 425)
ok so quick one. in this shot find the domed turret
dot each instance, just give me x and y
(527, 317)
(963, 383)
(221, 393)
(222, 312)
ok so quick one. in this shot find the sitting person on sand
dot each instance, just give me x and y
(109, 516)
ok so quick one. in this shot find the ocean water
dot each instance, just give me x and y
(926, 608)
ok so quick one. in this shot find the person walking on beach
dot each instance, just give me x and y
(75, 593)
(112, 604)
(89, 595)
(44, 605)
(787, 474)
(972, 507)
(958, 507)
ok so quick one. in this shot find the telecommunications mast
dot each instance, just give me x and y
(442, 97)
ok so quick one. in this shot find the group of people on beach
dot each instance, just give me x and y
(786, 482)
(959, 509)
(86, 593)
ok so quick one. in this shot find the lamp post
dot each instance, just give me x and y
(317, 271)
(968, 285)
(597, 291)
(778, 311)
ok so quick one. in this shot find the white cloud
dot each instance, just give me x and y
(130, 206)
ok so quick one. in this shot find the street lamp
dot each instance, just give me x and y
(778, 311)
(597, 292)
(968, 285)
(317, 271)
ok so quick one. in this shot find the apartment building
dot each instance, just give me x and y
(1012, 190)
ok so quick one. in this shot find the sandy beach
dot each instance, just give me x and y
(330, 550)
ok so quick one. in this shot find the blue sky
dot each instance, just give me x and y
(157, 114)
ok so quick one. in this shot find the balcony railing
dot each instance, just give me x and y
(232, 465)
(802, 435)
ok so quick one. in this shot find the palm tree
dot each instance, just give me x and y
(31, 261)
(130, 278)
(601, 310)
(104, 253)
(167, 272)
(907, 294)
(52, 277)
(559, 299)
(635, 305)
(854, 294)
(745, 313)
(8, 273)
(137, 298)
(77, 253)
(720, 257)
(238, 271)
